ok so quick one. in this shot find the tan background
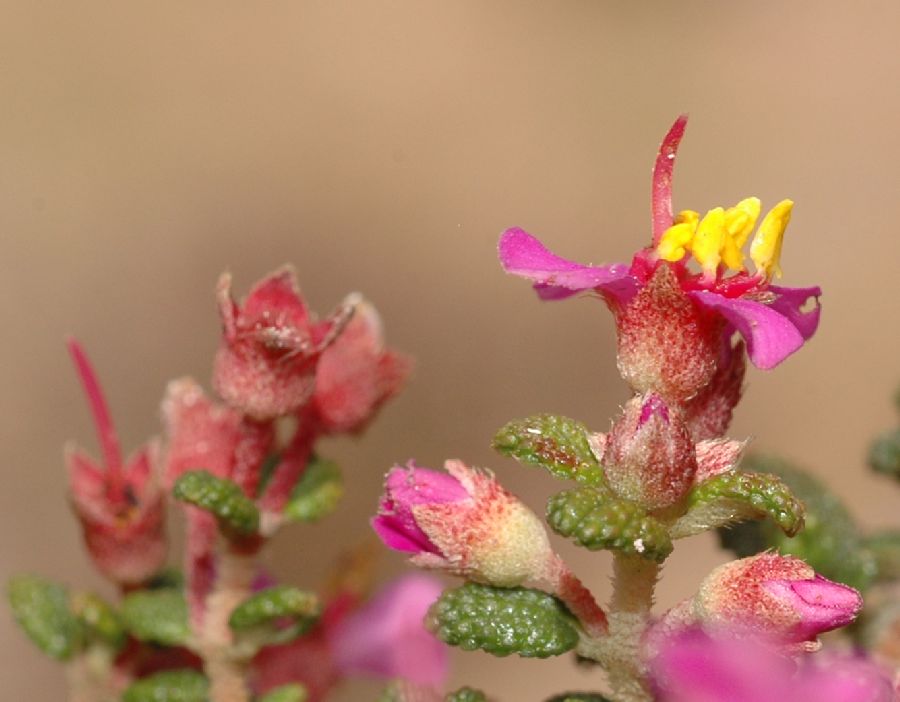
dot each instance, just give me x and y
(382, 146)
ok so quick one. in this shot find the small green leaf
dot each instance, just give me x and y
(556, 443)
(157, 616)
(501, 621)
(466, 694)
(597, 521)
(169, 686)
(736, 496)
(167, 578)
(317, 493)
(236, 513)
(286, 693)
(42, 609)
(885, 547)
(99, 620)
(830, 541)
(579, 697)
(272, 604)
(884, 453)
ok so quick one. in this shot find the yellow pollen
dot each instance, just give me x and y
(672, 245)
(765, 249)
(708, 241)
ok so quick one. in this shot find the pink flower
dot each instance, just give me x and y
(357, 374)
(464, 522)
(266, 364)
(779, 597)
(383, 638)
(119, 503)
(672, 320)
(695, 667)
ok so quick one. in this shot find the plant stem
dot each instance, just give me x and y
(227, 674)
(634, 581)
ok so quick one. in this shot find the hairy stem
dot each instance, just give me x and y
(634, 581)
(227, 673)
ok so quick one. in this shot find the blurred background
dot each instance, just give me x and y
(382, 147)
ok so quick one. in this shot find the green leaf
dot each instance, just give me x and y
(579, 697)
(317, 493)
(885, 547)
(501, 621)
(830, 541)
(286, 693)
(99, 620)
(157, 616)
(466, 694)
(167, 578)
(236, 513)
(169, 686)
(884, 453)
(42, 609)
(556, 443)
(736, 496)
(597, 521)
(272, 604)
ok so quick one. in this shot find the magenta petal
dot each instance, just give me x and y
(789, 302)
(557, 278)
(401, 534)
(386, 637)
(770, 336)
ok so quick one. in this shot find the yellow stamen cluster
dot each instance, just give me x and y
(720, 235)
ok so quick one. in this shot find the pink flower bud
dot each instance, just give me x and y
(357, 374)
(266, 363)
(463, 522)
(649, 455)
(775, 596)
(667, 343)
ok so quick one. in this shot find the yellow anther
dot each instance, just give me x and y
(675, 240)
(688, 216)
(765, 250)
(707, 243)
(739, 222)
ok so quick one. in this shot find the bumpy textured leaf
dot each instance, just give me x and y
(99, 620)
(42, 609)
(286, 693)
(736, 496)
(157, 616)
(503, 621)
(466, 694)
(556, 443)
(272, 604)
(235, 512)
(579, 697)
(597, 521)
(885, 547)
(317, 492)
(830, 541)
(169, 686)
(884, 453)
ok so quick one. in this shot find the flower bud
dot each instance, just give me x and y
(775, 596)
(649, 455)
(463, 522)
(266, 364)
(666, 342)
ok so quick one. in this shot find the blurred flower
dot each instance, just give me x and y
(672, 320)
(464, 522)
(357, 374)
(266, 364)
(695, 667)
(119, 504)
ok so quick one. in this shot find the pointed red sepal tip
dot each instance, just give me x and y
(661, 198)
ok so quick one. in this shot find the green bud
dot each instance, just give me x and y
(169, 686)
(597, 521)
(272, 604)
(736, 496)
(501, 621)
(236, 513)
(556, 443)
(42, 609)
(286, 693)
(157, 616)
(317, 493)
